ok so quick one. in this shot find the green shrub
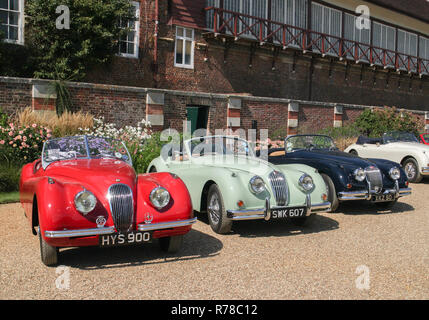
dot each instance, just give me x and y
(348, 131)
(9, 178)
(373, 123)
(150, 150)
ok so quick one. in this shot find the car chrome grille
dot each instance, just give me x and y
(121, 203)
(374, 179)
(279, 187)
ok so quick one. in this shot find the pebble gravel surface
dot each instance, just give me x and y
(358, 253)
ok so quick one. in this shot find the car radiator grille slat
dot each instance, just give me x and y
(374, 179)
(279, 187)
(121, 206)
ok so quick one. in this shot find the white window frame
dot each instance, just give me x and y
(136, 41)
(185, 39)
(20, 12)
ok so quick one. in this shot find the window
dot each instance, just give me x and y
(129, 43)
(407, 44)
(11, 20)
(326, 21)
(424, 54)
(354, 34)
(184, 51)
(290, 12)
(384, 37)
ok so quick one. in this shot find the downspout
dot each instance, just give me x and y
(155, 45)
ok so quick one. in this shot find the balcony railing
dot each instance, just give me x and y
(239, 25)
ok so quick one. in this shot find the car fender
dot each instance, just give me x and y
(179, 208)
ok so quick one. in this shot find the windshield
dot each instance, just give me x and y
(84, 147)
(219, 145)
(309, 142)
(399, 137)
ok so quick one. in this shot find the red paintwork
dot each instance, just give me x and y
(55, 202)
(423, 140)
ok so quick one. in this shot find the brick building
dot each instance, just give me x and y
(296, 56)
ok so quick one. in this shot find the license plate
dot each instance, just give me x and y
(121, 239)
(288, 213)
(383, 197)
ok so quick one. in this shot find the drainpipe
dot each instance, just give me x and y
(155, 46)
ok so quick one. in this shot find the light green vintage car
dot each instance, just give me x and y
(226, 180)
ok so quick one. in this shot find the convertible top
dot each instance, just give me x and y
(363, 139)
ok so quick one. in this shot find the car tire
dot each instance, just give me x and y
(386, 205)
(411, 169)
(48, 253)
(171, 244)
(152, 170)
(332, 193)
(216, 212)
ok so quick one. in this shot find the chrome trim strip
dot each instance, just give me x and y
(165, 225)
(263, 213)
(365, 195)
(79, 232)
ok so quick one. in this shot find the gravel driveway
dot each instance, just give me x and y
(358, 253)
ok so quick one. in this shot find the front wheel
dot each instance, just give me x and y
(48, 253)
(332, 193)
(216, 211)
(411, 169)
(171, 244)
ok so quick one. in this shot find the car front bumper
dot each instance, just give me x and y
(367, 194)
(265, 213)
(110, 230)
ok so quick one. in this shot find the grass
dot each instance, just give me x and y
(9, 197)
(66, 124)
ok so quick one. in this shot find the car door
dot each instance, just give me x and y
(369, 150)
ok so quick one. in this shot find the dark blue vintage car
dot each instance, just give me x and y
(347, 176)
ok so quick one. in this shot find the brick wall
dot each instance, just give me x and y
(129, 105)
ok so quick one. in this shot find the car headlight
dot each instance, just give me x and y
(257, 185)
(159, 197)
(359, 174)
(395, 173)
(85, 202)
(306, 182)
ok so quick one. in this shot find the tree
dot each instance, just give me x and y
(91, 40)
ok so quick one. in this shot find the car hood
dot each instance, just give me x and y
(334, 157)
(93, 172)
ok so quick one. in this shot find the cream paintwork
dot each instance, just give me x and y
(395, 151)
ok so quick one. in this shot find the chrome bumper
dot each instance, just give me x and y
(366, 195)
(265, 213)
(165, 225)
(110, 230)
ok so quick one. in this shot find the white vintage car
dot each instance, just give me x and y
(400, 147)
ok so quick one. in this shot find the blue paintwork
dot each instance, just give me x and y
(339, 166)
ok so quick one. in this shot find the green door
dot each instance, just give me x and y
(198, 116)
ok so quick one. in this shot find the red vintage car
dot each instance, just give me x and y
(84, 192)
(424, 138)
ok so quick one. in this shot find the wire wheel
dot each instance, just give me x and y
(218, 219)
